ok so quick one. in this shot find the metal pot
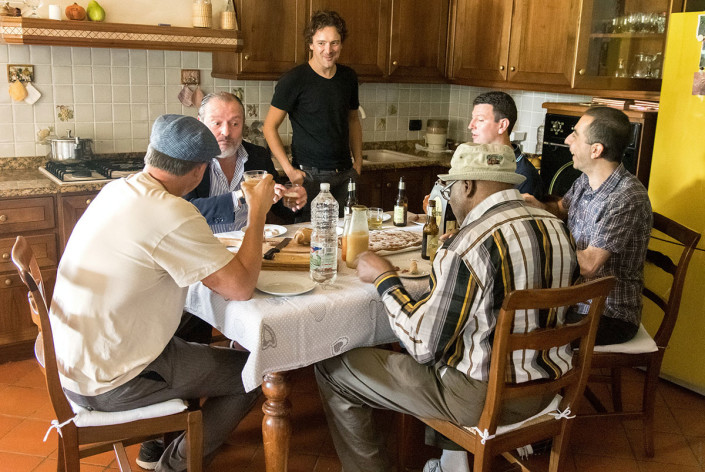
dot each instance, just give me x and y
(70, 148)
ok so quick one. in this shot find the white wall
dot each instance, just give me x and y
(115, 94)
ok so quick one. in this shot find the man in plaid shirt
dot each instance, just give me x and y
(609, 215)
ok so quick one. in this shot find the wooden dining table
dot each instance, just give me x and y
(286, 331)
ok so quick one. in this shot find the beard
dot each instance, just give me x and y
(230, 151)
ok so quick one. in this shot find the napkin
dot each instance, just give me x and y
(186, 96)
(32, 94)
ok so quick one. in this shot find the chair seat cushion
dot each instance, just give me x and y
(641, 343)
(538, 417)
(86, 417)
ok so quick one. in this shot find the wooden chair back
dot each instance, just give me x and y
(670, 305)
(26, 263)
(501, 389)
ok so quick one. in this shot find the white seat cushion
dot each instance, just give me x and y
(86, 417)
(639, 344)
(505, 428)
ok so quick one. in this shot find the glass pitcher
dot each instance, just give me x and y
(357, 236)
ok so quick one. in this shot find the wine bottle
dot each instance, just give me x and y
(401, 205)
(351, 200)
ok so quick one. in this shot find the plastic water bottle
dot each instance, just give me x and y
(324, 239)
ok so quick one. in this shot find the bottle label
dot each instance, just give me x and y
(399, 215)
(323, 258)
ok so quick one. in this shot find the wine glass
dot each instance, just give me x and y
(34, 5)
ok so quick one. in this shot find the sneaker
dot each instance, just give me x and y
(432, 465)
(150, 453)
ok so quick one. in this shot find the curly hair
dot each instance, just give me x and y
(322, 19)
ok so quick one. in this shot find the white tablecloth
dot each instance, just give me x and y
(285, 333)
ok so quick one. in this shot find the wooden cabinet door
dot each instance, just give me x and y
(370, 188)
(71, 208)
(366, 47)
(543, 41)
(480, 39)
(418, 40)
(272, 31)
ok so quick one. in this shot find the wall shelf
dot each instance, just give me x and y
(17, 30)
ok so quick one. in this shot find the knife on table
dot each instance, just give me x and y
(269, 255)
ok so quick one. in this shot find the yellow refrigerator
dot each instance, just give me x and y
(677, 187)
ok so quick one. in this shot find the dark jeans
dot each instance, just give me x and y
(338, 187)
(609, 330)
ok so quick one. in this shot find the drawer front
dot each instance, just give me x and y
(26, 214)
(43, 245)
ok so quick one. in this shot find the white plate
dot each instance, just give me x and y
(277, 283)
(423, 273)
(386, 217)
(270, 231)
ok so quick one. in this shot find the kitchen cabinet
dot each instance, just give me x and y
(71, 208)
(396, 40)
(621, 44)
(379, 188)
(273, 41)
(513, 41)
(19, 30)
(35, 219)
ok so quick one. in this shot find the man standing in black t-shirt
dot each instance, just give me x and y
(321, 99)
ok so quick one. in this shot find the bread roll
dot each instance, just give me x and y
(303, 236)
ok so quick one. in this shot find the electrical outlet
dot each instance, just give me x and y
(414, 125)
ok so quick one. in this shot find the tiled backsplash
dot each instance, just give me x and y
(115, 94)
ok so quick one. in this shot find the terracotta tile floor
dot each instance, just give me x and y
(596, 445)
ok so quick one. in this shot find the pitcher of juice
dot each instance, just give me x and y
(357, 237)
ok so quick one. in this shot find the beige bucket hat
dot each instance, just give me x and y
(494, 162)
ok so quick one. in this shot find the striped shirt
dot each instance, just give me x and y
(220, 186)
(503, 245)
(615, 217)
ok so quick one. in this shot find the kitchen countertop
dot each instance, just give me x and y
(20, 177)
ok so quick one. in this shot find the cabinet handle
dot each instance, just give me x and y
(88, 201)
(6, 256)
(389, 185)
(3, 218)
(512, 68)
(501, 67)
(581, 72)
(8, 282)
(394, 63)
(247, 57)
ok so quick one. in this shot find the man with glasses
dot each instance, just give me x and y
(501, 245)
(609, 215)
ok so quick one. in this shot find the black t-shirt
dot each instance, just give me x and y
(318, 109)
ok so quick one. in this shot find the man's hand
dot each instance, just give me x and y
(260, 197)
(448, 235)
(370, 266)
(301, 195)
(296, 175)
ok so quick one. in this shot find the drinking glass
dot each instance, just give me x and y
(374, 218)
(250, 178)
(290, 194)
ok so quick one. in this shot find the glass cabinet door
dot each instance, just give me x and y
(621, 44)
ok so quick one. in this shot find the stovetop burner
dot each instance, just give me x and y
(92, 170)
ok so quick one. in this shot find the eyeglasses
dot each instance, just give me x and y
(445, 191)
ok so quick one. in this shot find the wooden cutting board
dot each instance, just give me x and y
(292, 257)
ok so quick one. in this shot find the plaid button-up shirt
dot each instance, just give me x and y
(615, 217)
(503, 245)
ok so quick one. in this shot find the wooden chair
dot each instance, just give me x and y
(645, 351)
(488, 439)
(84, 433)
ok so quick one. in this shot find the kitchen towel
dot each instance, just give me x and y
(186, 96)
(17, 90)
(197, 97)
(32, 94)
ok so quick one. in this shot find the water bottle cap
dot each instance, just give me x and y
(325, 187)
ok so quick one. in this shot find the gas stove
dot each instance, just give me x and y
(91, 171)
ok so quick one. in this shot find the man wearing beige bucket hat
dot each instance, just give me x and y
(444, 374)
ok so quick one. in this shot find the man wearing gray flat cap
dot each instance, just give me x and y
(122, 283)
(502, 245)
